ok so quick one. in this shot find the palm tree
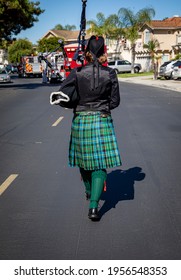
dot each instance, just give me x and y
(132, 23)
(177, 57)
(115, 30)
(107, 27)
(152, 47)
(97, 26)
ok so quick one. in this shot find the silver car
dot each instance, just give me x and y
(4, 76)
(166, 69)
(177, 70)
(124, 66)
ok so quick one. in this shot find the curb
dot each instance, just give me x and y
(145, 80)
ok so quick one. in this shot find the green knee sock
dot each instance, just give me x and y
(86, 177)
(98, 178)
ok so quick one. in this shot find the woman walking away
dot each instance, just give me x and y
(93, 146)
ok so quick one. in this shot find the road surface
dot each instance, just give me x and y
(43, 211)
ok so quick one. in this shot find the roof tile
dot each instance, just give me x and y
(173, 22)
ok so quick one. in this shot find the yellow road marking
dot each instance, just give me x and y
(57, 121)
(7, 183)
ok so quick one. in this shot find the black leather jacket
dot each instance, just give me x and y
(103, 98)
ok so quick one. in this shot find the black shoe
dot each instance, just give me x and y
(87, 195)
(93, 214)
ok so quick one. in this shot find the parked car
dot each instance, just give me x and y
(4, 76)
(177, 70)
(14, 69)
(11, 68)
(8, 68)
(123, 66)
(166, 69)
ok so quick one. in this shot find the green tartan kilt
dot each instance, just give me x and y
(93, 142)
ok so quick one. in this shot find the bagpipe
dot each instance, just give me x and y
(44, 58)
(67, 95)
(82, 34)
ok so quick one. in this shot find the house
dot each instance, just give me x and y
(167, 32)
(3, 57)
(69, 36)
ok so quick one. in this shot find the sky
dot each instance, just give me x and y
(69, 12)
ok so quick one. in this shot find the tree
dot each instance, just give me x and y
(69, 27)
(132, 23)
(152, 47)
(17, 15)
(109, 27)
(4, 44)
(178, 56)
(48, 45)
(114, 29)
(58, 27)
(113, 26)
(19, 48)
(66, 27)
(97, 26)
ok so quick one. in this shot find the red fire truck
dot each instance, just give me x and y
(29, 66)
(69, 62)
(70, 51)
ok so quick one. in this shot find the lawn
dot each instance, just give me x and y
(128, 75)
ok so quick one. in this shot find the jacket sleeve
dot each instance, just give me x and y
(115, 95)
(71, 79)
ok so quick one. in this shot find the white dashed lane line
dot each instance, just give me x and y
(12, 177)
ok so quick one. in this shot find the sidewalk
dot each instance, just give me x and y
(174, 85)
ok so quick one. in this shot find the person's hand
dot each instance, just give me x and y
(55, 98)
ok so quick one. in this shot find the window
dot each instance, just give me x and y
(111, 63)
(31, 60)
(2, 71)
(178, 63)
(127, 62)
(165, 58)
(179, 39)
(147, 36)
(120, 62)
(165, 63)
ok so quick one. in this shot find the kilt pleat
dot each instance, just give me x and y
(93, 143)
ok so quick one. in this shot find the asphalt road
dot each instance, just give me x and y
(43, 211)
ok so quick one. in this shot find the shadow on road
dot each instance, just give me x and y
(120, 186)
(27, 85)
